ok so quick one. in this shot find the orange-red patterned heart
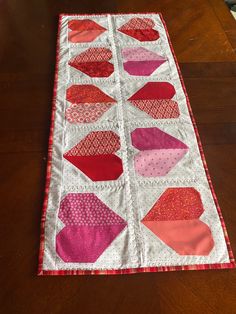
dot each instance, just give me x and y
(175, 219)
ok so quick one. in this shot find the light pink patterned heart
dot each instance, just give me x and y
(160, 152)
(141, 61)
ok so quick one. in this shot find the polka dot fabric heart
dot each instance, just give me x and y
(90, 226)
(128, 189)
(160, 152)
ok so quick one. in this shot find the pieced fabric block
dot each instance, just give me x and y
(95, 156)
(155, 98)
(128, 189)
(87, 103)
(159, 151)
(84, 30)
(94, 62)
(174, 219)
(141, 29)
(89, 223)
(141, 61)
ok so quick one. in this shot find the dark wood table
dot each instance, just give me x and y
(203, 34)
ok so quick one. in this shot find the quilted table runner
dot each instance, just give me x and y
(127, 188)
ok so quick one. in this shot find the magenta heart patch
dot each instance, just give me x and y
(141, 61)
(90, 227)
(159, 152)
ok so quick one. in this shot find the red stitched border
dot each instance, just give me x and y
(232, 263)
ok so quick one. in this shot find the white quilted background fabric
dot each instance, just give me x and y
(131, 196)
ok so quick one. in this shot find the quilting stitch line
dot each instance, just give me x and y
(120, 110)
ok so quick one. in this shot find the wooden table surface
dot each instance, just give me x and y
(203, 34)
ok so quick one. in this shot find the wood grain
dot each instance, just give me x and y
(203, 35)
